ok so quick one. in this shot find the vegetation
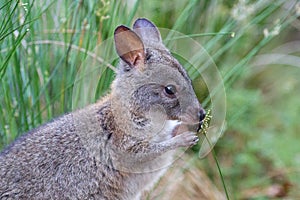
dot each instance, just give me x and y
(51, 49)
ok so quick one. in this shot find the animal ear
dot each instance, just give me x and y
(146, 30)
(129, 46)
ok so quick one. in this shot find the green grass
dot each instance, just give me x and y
(48, 47)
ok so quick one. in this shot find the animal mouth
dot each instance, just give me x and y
(200, 126)
(194, 122)
(187, 126)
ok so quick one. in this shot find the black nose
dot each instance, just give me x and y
(201, 115)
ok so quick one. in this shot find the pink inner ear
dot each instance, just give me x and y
(129, 46)
(139, 59)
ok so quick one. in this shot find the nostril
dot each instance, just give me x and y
(201, 114)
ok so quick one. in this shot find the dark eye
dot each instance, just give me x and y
(170, 89)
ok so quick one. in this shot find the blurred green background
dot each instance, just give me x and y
(43, 44)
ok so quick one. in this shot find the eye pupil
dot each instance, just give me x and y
(170, 89)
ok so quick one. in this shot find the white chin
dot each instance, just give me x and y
(170, 125)
(167, 130)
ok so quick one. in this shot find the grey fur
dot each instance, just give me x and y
(116, 148)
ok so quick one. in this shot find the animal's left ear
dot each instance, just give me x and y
(146, 30)
(129, 47)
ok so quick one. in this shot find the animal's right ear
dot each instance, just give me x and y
(129, 47)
